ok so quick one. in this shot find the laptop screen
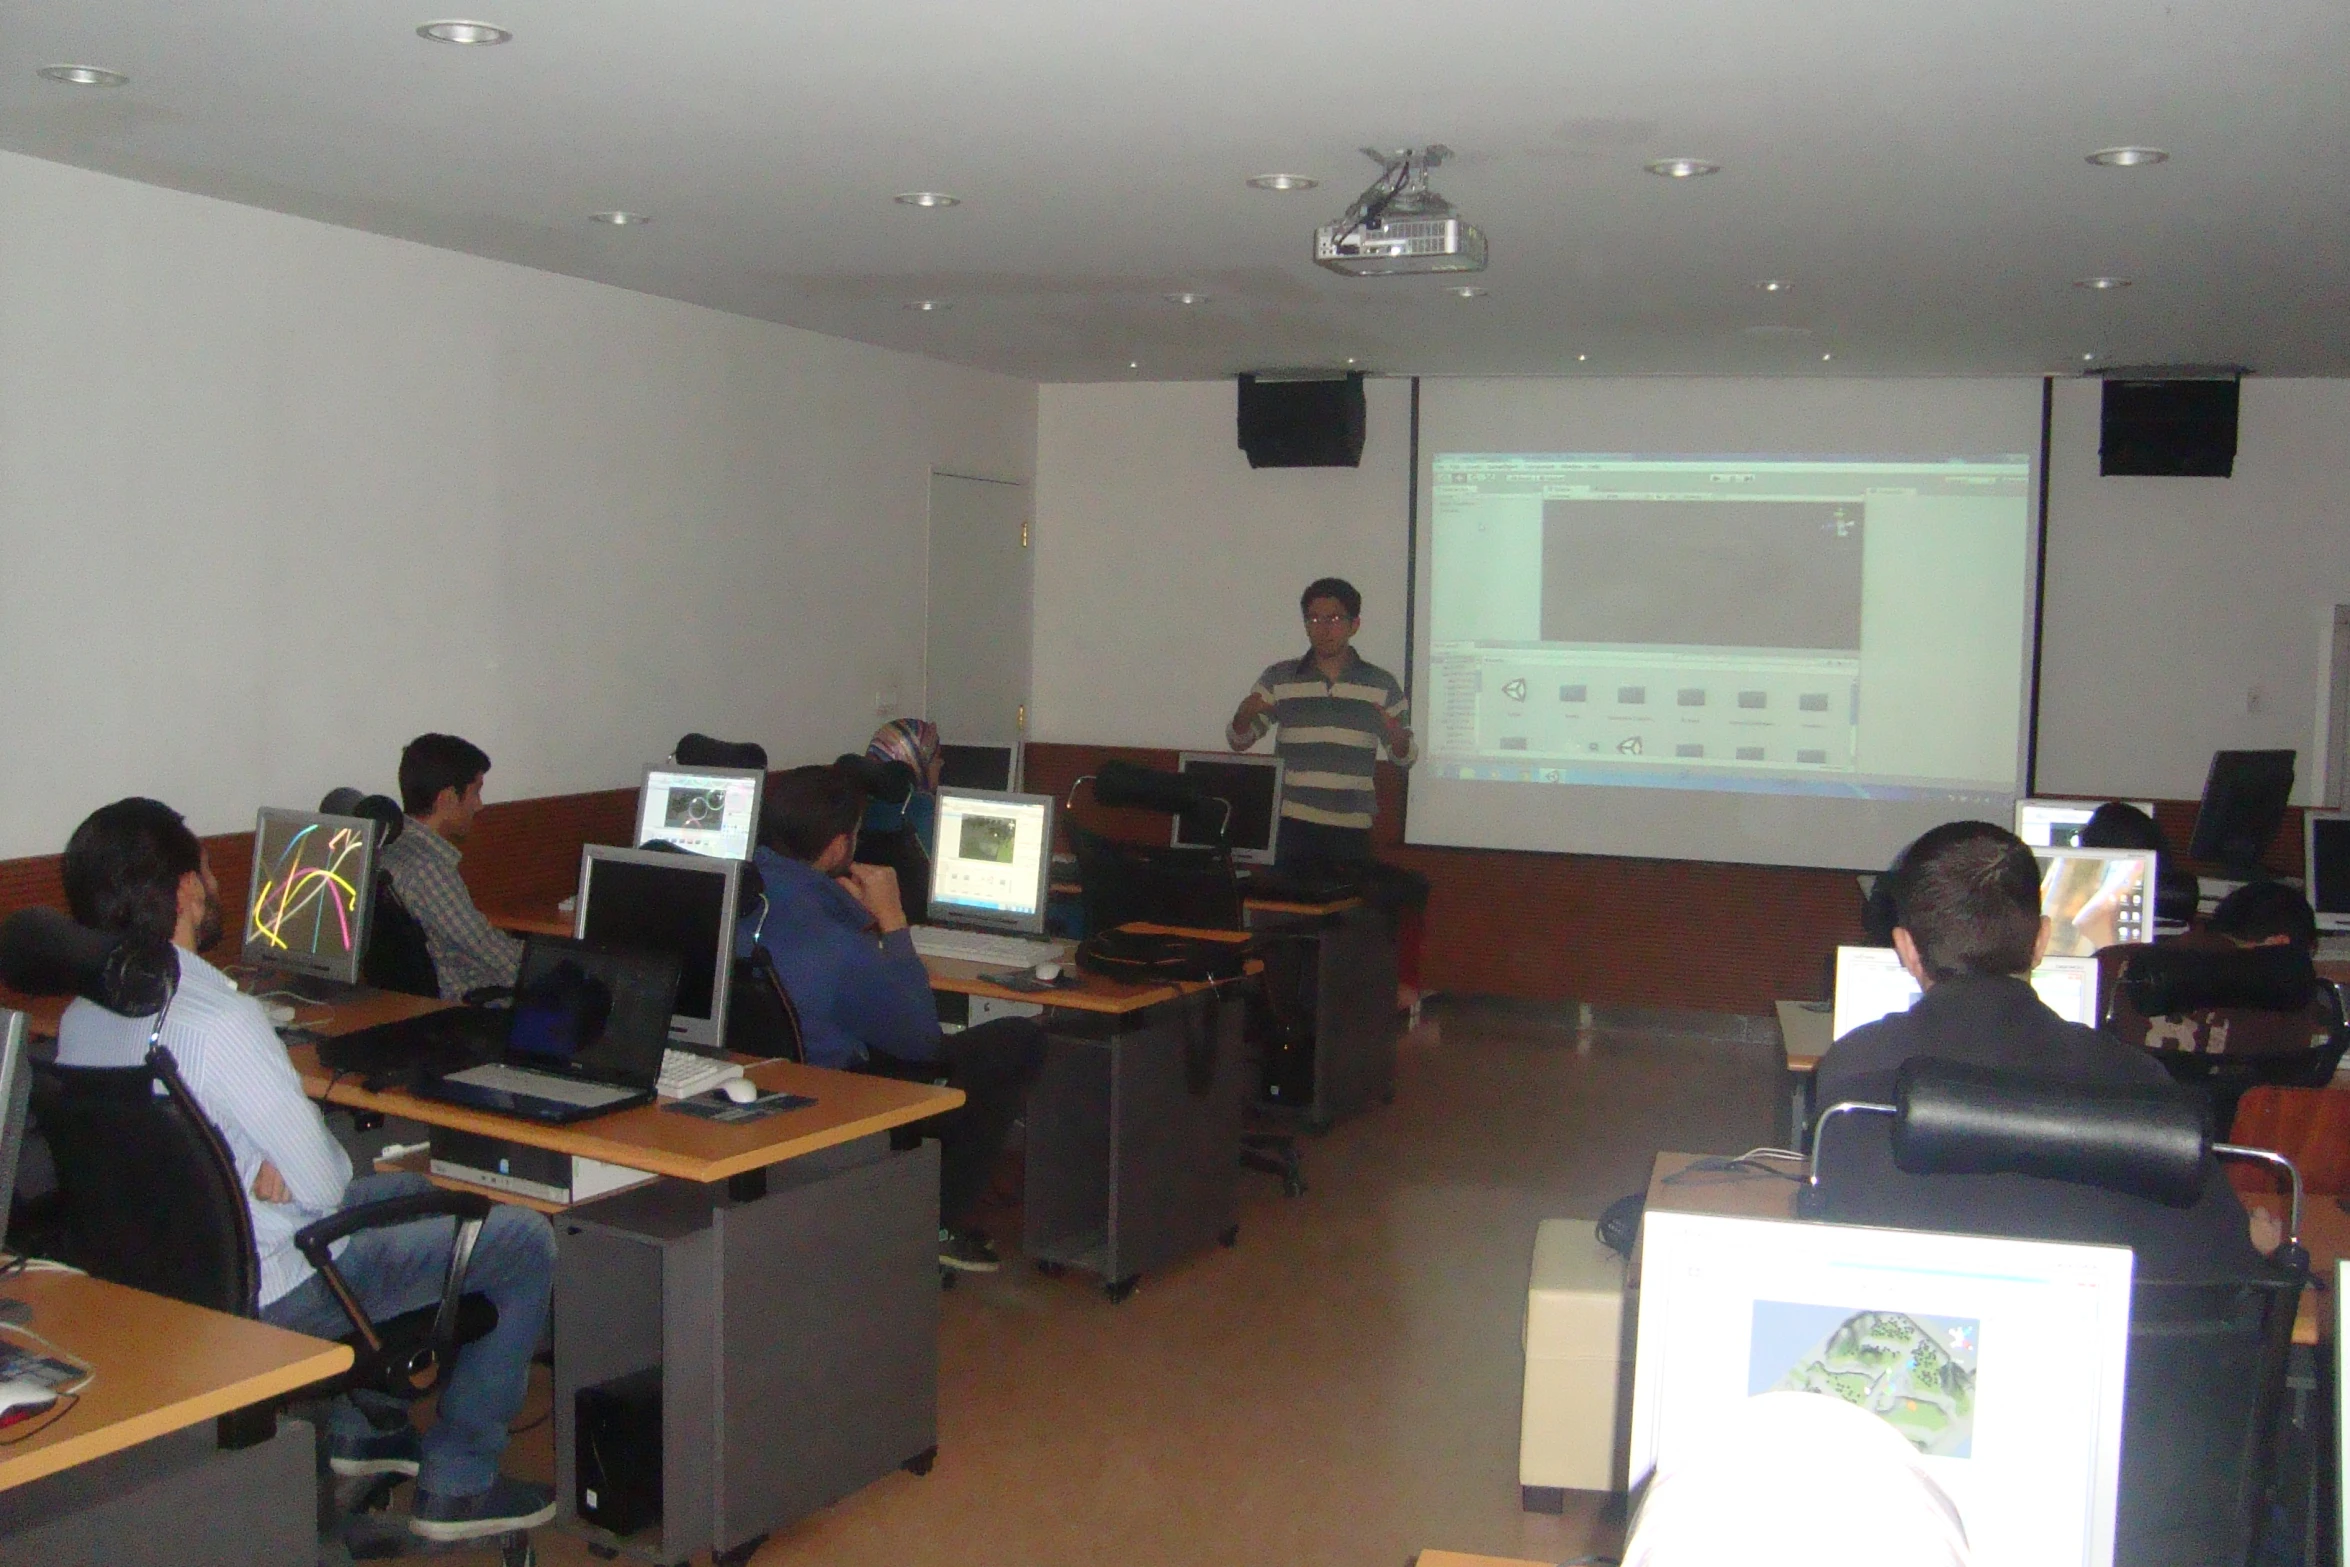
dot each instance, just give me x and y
(2095, 897)
(994, 860)
(591, 1011)
(1871, 983)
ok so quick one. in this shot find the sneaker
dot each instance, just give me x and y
(967, 1251)
(399, 1451)
(507, 1507)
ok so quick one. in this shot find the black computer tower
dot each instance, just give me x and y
(619, 1452)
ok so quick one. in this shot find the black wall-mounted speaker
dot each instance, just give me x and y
(2174, 429)
(1302, 424)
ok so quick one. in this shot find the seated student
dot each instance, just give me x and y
(903, 834)
(837, 932)
(440, 789)
(134, 866)
(1969, 930)
(2265, 914)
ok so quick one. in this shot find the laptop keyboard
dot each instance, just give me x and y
(539, 1085)
(979, 946)
(684, 1074)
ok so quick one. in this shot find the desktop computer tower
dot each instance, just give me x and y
(619, 1452)
(520, 1168)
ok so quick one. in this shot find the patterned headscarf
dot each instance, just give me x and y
(913, 741)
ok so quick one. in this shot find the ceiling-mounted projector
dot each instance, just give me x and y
(1399, 226)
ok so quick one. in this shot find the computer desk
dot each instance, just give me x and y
(1133, 1144)
(126, 1473)
(1806, 1029)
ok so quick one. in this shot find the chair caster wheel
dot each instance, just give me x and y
(1051, 1269)
(1230, 1237)
(921, 1463)
(739, 1555)
(1119, 1289)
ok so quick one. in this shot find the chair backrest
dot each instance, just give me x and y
(1127, 882)
(2225, 1019)
(760, 1017)
(150, 1196)
(398, 955)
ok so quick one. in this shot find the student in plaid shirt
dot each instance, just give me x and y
(440, 789)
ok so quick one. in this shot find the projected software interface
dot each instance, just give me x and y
(1789, 625)
(711, 811)
(2096, 897)
(313, 886)
(993, 852)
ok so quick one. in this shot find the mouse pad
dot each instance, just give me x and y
(715, 1106)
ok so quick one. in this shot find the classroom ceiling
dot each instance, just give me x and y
(1915, 174)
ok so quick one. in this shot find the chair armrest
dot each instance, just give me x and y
(312, 1240)
(422, 1368)
(487, 995)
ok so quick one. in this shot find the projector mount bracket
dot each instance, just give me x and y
(1401, 191)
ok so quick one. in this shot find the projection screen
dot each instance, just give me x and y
(1771, 622)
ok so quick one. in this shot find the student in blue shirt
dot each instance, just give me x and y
(837, 932)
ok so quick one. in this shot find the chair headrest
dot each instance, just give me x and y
(1123, 785)
(2142, 1140)
(700, 750)
(2172, 978)
(891, 783)
(44, 953)
(381, 809)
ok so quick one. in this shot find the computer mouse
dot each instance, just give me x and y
(1048, 971)
(740, 1089)
(278, 1013)
(20, 1397)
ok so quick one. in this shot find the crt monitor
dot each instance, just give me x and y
(2326, 867)
(2057, 824)
(2095, 897)
(979, 767)
(993, 865)
(681, 904)
(1871, 983)
(2001, 1361)
(703, 810)
(312, 894)
(1252, 786)
(2244, 798)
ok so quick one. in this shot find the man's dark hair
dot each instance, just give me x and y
(1968, 893)
(123, 867)
(2262, 910)
(1332, 588)
(2119, 825)
(432, 763)
(806, 808)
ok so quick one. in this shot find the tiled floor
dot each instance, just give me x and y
(1342, 1388)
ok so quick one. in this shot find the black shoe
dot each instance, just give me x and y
(967, 1251)
(507, 1507)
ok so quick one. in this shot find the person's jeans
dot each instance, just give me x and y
(404, 1268)
(994, 1064)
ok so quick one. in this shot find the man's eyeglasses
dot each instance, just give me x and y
(1328, 620)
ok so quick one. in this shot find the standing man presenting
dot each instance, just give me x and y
(1335, 709)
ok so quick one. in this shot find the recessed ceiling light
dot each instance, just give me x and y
(2101, 284)
(1682, 168)
(1350, 359)
(2085, 358)
(926, 198)
(1824, 358)
(1580, 358)
(1134, 364)
(1187, 297)
(1774, 285)
(1468, 291)
(1282, 182)
(927, 305)
(620, 220)
(464, 33)
(84, 76)
(2128, 157)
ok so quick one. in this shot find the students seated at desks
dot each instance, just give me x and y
(903, 834)
(134, 866)
(837, 932)
(1968, 928)
(440, 789)
(2265, 914)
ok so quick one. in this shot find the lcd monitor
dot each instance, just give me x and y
(2057, 824)
(1871, 983)
(703, 810)
(2244, 798)
(2000, 1361)
(979, 767)
(993, 864)
(16, 1086)
(681, 904)
(312, 894)
(2095, 897)
(1251, 785)
(2326, 867)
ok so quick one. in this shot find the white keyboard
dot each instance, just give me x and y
(538, 1085)
(979, 946)
(684, 1074)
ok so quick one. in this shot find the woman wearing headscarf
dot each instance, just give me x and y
(902, 833)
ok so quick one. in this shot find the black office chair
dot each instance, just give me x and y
(2207, 1359)
(700, 750)
(2225, 1019)
(398, 956)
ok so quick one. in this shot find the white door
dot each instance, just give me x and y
(975, 665)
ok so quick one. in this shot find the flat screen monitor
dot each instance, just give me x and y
(651, 900)
(312, 893)
(994, 860)
(2000, 1360)
(1251, 785)
(703, 810)
(2326, 866)
(2057, 824)
(2244, 798)
(994, 767)
(2095, 897)
(16, 1085)
(1871, 983)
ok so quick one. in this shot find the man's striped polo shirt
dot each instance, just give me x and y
(1330, 736)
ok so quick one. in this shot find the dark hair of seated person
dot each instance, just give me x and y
(2260, 911)
(1968, 893)
(123, 867)
(806, 808)
(431, 763)
(2119, 825)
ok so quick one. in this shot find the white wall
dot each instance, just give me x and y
(2186, 616)
(275, 496)
(1168, 570)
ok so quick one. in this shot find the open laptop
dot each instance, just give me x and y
(1871, 983)
(990, 878)
(584, 1038)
